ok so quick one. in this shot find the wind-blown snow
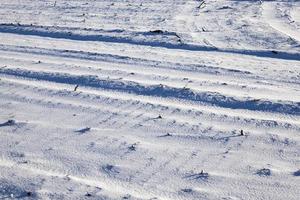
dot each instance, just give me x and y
(165, 100)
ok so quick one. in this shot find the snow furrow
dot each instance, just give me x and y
(140, 100)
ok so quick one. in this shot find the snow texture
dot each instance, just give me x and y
(140, 100)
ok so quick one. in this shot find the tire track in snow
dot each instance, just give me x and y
(230, 161)
(159, 91)
(168, 44)
(201, 77)
(141, 111)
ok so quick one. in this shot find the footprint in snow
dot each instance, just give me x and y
(9, 122)
(187, 190)
(264, 172)
(198, 176)
(84, 130)
(297, 173)
(13, 123)
(11, 191)
(126, 196)
(132, 147)
(88, 194)
(110, 169)
(165, 135)
(15, 154)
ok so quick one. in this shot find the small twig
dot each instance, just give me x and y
(76, 87)
(201, 4)
(179, 38)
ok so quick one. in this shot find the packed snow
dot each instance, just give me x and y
(150, 99)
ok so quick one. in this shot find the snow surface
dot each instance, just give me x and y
(149, 99)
